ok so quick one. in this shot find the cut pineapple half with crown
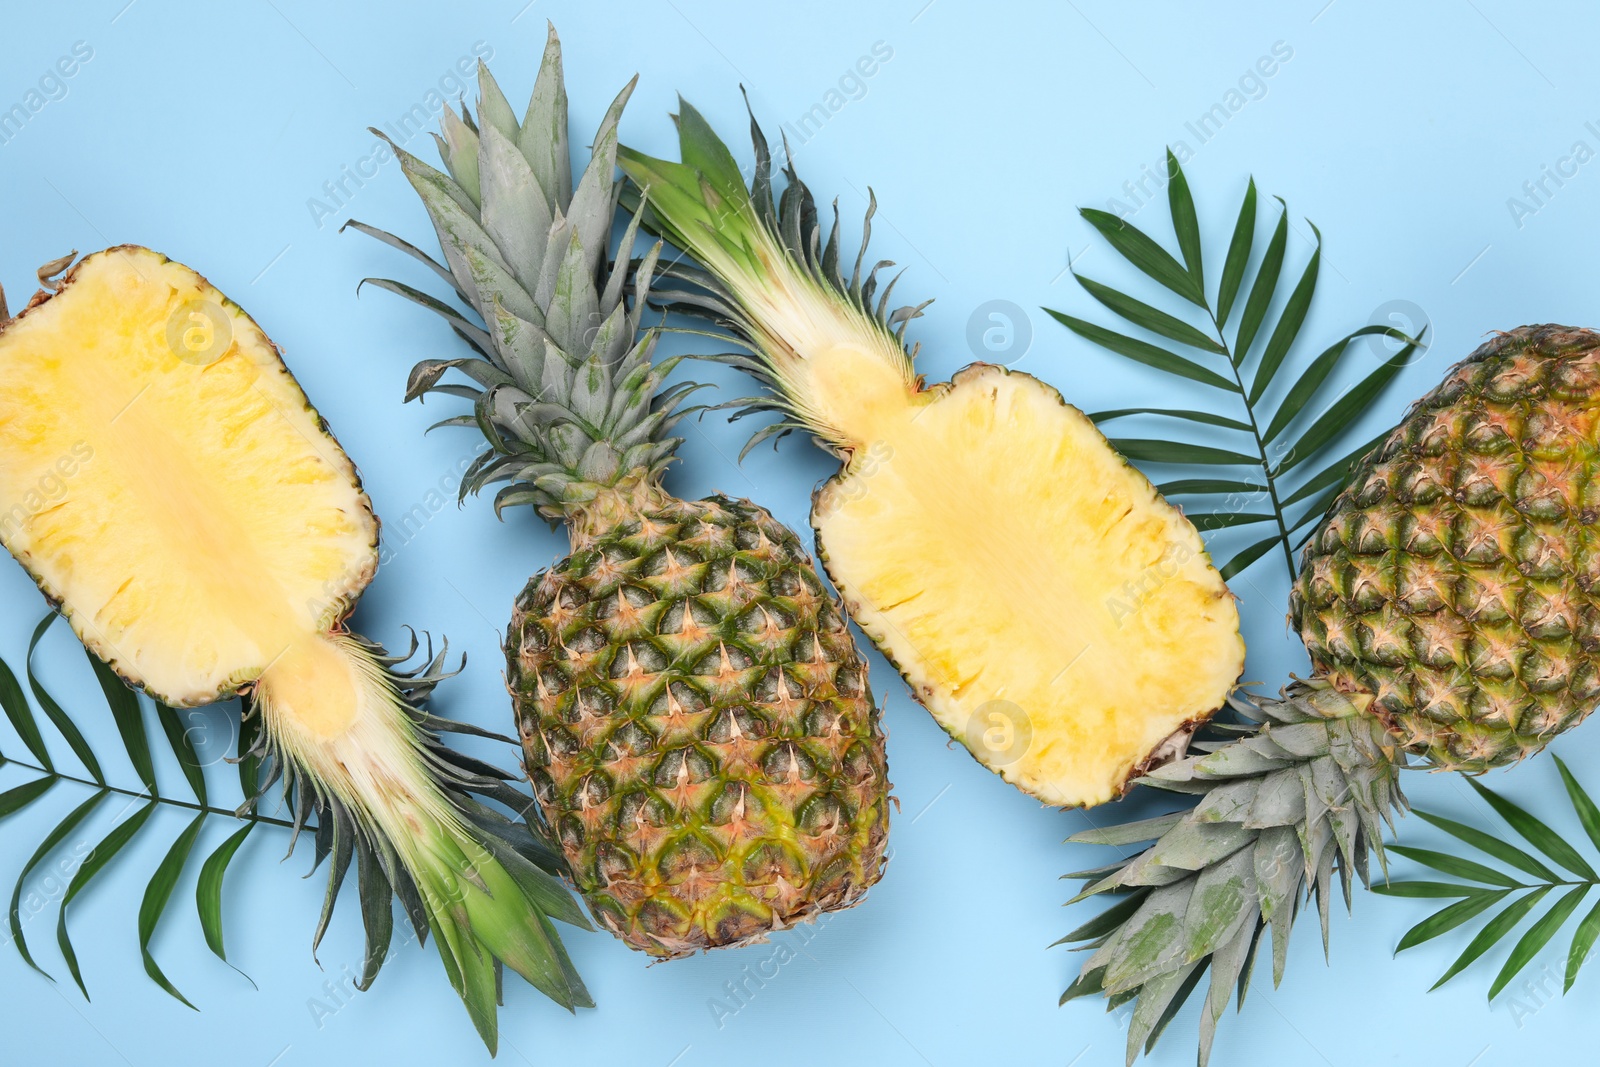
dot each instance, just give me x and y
(168, 485)
(1042, 600)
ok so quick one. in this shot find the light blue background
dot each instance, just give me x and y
(203, 129)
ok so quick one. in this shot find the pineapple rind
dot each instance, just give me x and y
(179, 550)
(1457, 578)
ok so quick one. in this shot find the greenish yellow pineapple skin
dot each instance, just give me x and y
(1455, 580)
(698, 728)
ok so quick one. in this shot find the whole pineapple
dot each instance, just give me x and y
(1455, 579)
(1450, 605)
(695, 715)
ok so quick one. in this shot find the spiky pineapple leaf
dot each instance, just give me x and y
(1210, 357)
(409, 249)
(377, 914)
(1484, 887)
(1290, 795)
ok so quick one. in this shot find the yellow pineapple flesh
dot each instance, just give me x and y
(1044, 603)
(181, 554)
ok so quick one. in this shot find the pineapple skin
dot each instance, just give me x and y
(698, 728)
(1457, 579)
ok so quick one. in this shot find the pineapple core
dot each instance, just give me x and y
(1044, 603)
(165, 481)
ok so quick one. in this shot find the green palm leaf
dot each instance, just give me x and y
(1335, 474)
(1496, 928)
(1205, 418)
(1157, 450)
(1244, 231)
(1537, 937)
(208, 891)
(99, 857)
(1143, 352)
(1447, 919)
(1146, 317)
(56, 714)
(156, 895)
(129, 717)
(1445, 863)
(1198, 349)
(183, 749)
(1289, 323)
(1255, 305)
(1510, 898)
(52, 840)
(1206, 486)
(1246, 556)
(21, 716)
(1185, 223)
(1137, 248)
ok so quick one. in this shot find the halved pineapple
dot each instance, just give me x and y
(168, 485)
(1034, 589)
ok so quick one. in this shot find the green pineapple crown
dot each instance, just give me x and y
(562, 384)
(1291, 803)
(770, 277)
